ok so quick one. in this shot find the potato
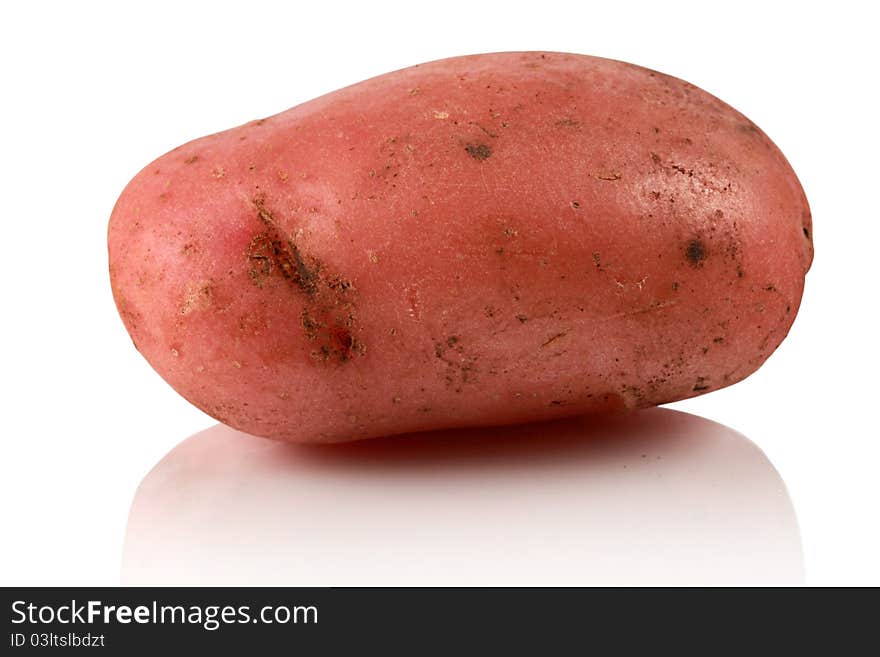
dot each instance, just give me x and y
(480, 240)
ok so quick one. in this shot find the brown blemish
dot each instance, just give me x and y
(553, 338)
(339, 283)
(343, 342)
(191, 159)
(460, 368)
(749, 128)
(488, 133)
(328, 317)
(273, 248)
(682, 170)
(700, 385)
(806, 232)
(259, 254)
(695, 252)
(310, 325)
(479, 152)
(607, 175)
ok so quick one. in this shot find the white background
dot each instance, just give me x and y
(93, 92)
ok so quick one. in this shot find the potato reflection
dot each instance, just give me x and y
(656, 497)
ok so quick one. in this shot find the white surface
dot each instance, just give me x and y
(94, 92)
(653, 498)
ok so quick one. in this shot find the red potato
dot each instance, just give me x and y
(475, 241)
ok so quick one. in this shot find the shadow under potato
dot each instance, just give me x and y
(654, 497)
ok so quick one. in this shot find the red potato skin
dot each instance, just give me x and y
(481, 240)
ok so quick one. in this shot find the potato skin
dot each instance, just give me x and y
(474, 241)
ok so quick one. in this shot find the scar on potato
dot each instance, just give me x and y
(329, 318)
